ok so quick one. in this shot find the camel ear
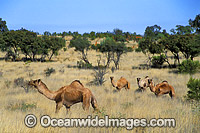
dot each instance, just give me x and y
(149, 81)
(39, 81)
(138, 79)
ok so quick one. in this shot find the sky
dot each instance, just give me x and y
(97, 15)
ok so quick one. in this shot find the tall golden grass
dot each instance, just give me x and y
(127, 104)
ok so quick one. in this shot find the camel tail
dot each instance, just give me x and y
(172, 92)
(94, 102)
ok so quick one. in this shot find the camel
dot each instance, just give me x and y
(162, 88)
(67, 95)
(121, 83)
(143, 83)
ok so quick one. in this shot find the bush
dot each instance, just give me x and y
(81, 64)
(189, 66)
(194, 89)
(21, 106)
(158, 61)
(49, 71)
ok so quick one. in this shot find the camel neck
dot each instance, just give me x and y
(152, 88)
(46, 92)
(113, 82)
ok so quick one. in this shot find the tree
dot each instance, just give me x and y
(106, 48)
(3, 26)
(112, 50)
(189, 45)
(82, 45)
(195, 23)
(182, 30)
(152, 31)
(55, 44)
(170, 44)
(27, 42)
(119, 49)
(11, 45)
(118, 35)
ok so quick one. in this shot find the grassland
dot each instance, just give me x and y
(126, 104)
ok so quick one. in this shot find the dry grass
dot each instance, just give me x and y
(126, 104)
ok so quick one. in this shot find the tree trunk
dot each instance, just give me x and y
(84, 57)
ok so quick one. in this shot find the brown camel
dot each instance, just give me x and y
(67, 95)
(121, 83)
(162, 88)
(143, 83)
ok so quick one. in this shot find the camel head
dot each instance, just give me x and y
(111, 78)
(35, 83)
(138, 80)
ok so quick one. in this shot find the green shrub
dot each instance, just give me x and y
(81, 64)
(21, 106)
(49, 71)
(158, 61)
(189, 66)
(194, 89)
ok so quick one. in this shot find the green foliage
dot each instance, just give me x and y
(148, 45)
(81, 64)
(28, 43)
(113, 50)
(3, 26)
(49, 71)
(194, 89)
(182, 30)
(189, 66)
(195, 23)
(21, 106)
(82, 45)
(189, 45)
(158, 61)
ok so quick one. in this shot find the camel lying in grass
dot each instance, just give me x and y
(161, 88)
(143, 83)
(121, 83)
(67, 95)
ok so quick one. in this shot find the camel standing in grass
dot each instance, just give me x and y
(162, 88)
(143, 83)
(67, 95)
(121, 83)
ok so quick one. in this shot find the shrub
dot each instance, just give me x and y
(81, 64)
(189, 66)
(49, 71)
(19, 82)
(21, 106)
(194, 89)
(158, 61)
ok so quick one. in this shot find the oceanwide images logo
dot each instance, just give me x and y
(128, 123)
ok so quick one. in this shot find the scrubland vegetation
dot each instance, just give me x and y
(57, 60)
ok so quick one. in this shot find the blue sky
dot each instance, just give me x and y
(97, 15)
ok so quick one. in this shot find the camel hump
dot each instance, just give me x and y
(165, 81)
(78, 82)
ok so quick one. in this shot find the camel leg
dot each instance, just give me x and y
(94, 103)
(128, 86)
(67, 109)
(172, 92)
(86, 102)
(58, 106)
